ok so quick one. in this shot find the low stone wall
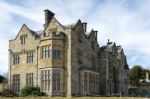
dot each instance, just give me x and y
(73, 98)
(2, 86)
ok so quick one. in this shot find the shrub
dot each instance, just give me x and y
(31, 91)
(42, 94)
(8, 93)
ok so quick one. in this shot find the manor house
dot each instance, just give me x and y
(66, 60)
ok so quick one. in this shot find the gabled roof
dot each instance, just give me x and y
(70, 25)
(39, 32)
(23, 26)
(77, 23)
(89, 34)
(34, 33)
(103, 47)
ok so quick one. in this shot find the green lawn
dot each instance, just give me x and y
(73, 98)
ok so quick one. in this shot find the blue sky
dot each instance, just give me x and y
(127, 22)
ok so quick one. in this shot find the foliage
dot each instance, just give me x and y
(136, 73)
(31, 91)
(8, 93)
(1, 78)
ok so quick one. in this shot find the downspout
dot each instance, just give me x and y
(37, 66)
(10, 52)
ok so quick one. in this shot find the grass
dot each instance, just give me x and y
(73, 98)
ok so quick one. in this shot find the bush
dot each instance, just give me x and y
(8, 93)
(31, 91)
(42, 94)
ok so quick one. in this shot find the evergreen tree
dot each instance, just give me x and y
(1, 78)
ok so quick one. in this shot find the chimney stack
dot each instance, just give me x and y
(84, 26)
(147, 77)
(48, 16)
(95, 34)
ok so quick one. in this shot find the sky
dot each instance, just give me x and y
(126, 22)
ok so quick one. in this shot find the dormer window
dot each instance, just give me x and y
(23, 39)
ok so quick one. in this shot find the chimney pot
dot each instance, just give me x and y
(84, 26)
(95, 34)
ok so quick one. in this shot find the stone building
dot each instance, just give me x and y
(64, 60)
(113, 69)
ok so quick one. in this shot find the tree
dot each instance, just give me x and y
(135, 74)
(1, 78)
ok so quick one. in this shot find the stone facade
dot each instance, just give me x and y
(65, 60)
(114, 70)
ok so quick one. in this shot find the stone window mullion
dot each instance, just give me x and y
(46, 80)
(16, 82)
(16, 59)
(29, 79)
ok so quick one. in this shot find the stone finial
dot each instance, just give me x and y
(108, 43)
(108, 40)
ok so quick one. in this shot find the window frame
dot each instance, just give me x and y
(16, 82)
(29, 79)
(23, 39)
(46, 80)
(30, 57)
(46, 52)
(56, 53)
(16, 59)
(56, 81)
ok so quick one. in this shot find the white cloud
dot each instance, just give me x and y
(124, 21)
(29, 13)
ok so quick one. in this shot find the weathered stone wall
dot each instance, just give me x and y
(86, 51)
(113, 59)
(24, 67)
(103, 64)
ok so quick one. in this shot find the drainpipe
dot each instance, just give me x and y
(10, 52)
(37, 66)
